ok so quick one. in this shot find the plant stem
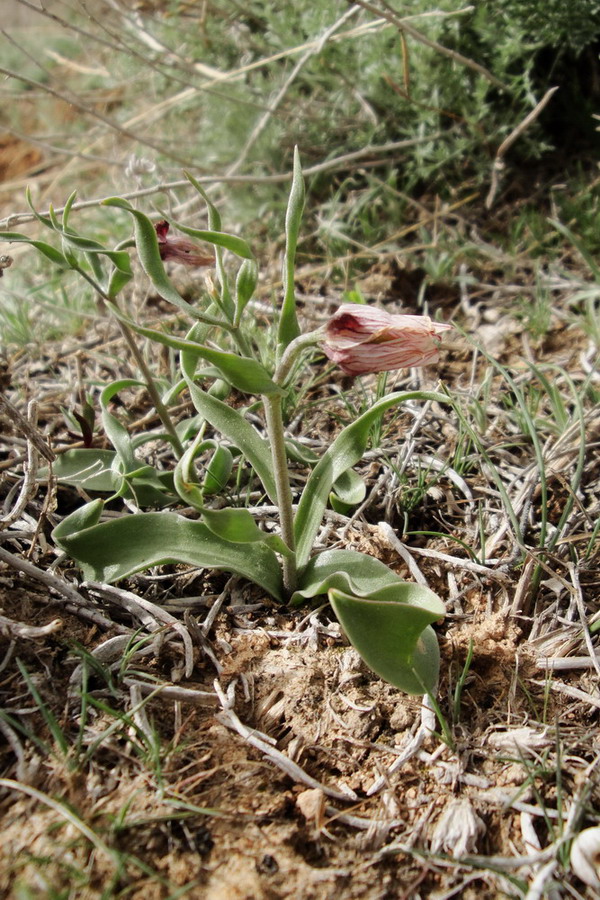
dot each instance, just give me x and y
(293, 350)
(159, 406)
(274, 420)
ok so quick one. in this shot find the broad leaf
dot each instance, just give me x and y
(393, 635)
(348, 491)
(116, 549)
(86, 468)
(218, 470)
(346, 570)
(237, 525)
(85, 517)
(385, 618)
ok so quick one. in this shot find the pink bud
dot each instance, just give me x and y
(179, 249)
(364, 339)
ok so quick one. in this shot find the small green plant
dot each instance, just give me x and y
(387, 620)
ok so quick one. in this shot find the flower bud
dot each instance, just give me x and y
(179, 249)
(364, 340)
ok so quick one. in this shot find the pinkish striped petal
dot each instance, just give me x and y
(364, 340)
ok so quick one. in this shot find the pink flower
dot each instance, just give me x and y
(364, 339)
(179, 249)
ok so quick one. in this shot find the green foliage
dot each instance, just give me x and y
(554, 23)
(398, 643)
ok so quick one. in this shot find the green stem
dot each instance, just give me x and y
(293, 351)
(159, 406)
(274, 420)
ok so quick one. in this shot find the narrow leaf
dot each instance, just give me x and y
(47, 250)
(245, 285)
(232, 425)
(345, 452)
(230, 242)
(149, 254)
(214, 222)
(244, 373)
(288, 322)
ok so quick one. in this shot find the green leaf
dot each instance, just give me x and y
(298, 452)
(348, 491)
(89, 469)
(345, 452)
(149, 254)
(216, 476)
(85, 517)
(117, 549)
(67, 210)
(392, 632)
(245, 285)
(385, 618)
(230, 242)
(288, 322)
(214, 221)
(232, 425)
(44, 220)
(132, 478)
(237, 525)
(218, 471)
(214, 217)
(115, 431)
(244, 373)
(47, 250)
(346, 570)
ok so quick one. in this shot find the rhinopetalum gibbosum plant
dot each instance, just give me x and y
(387, 620)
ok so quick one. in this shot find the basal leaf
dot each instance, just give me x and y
(113, 550)
(385, 618)
(393, 635)
(87, 468)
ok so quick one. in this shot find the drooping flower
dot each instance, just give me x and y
(363, 340)
(179, 249)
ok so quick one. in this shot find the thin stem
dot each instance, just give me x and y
(274, 420)
(293, 350)
(159, 406)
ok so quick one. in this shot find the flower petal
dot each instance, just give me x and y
(363, 340)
